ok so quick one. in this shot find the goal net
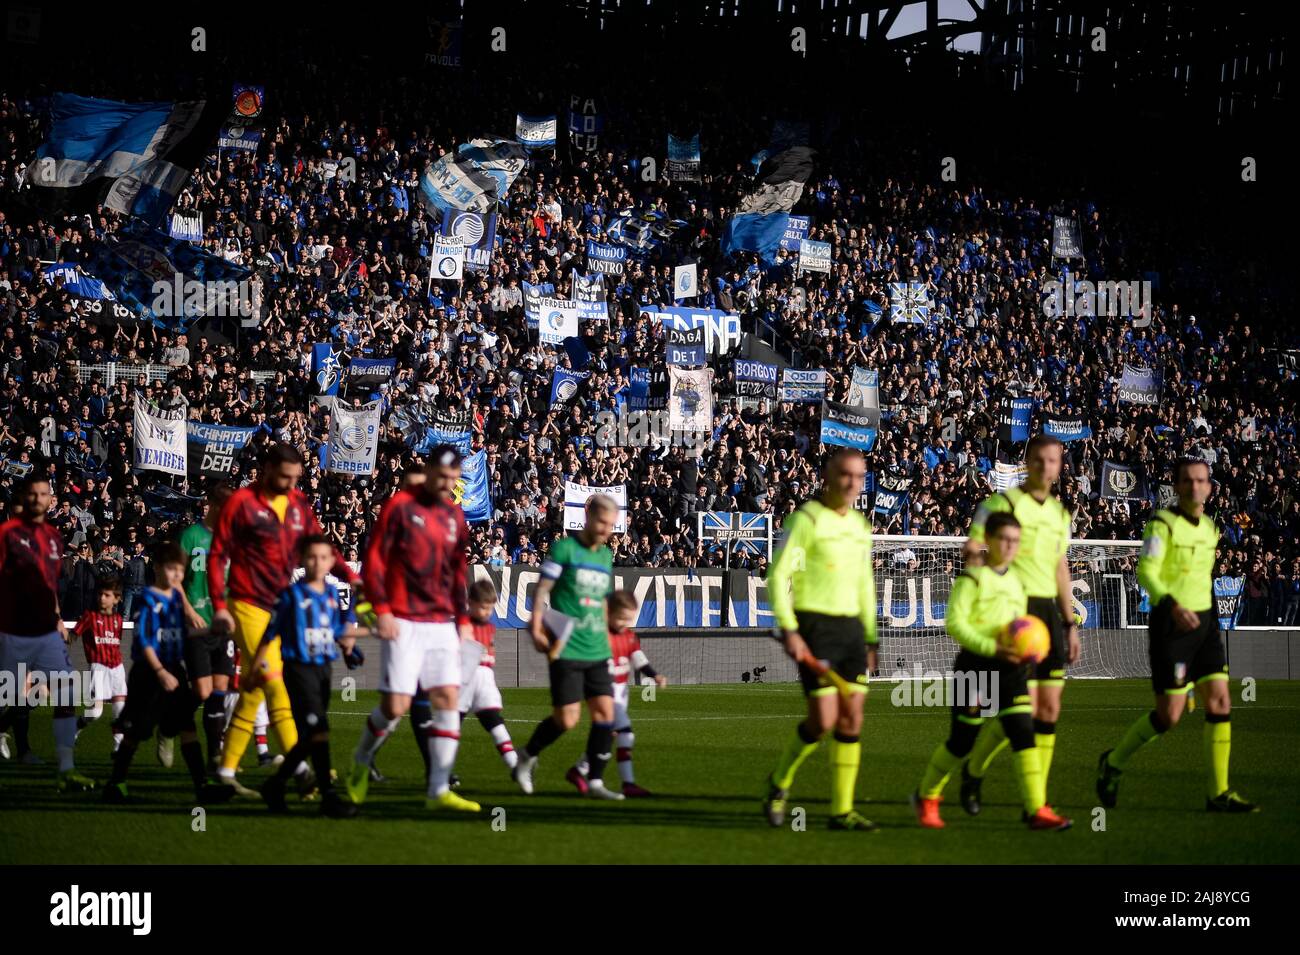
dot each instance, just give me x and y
(914, 577)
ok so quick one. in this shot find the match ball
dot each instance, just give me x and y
(1027, 638)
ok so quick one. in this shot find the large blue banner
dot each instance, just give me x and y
(76, 282)
(133, 158)
(721, 329)
(755, 232)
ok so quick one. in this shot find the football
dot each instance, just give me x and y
(1028, 637)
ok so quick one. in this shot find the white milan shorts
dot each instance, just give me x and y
(480, 692)
(107, 682)
(424, 655)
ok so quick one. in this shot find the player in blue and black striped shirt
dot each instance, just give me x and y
(158, 690)
(311, 625)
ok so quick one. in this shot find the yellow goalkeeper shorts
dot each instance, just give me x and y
(251, 622)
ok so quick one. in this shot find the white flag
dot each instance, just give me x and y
(159, 441)
(558, 321)
(448, 257)
(575, 505)
(354, 438)
(1005, 476)
(684, 282)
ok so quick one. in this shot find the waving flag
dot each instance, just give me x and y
(171, 281)
(133, 158)
(472, 490)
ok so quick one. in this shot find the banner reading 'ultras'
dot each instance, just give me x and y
(214, 447)
(575, 504)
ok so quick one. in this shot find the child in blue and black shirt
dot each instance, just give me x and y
(311, 625)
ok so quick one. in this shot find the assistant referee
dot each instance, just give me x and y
(823, 597)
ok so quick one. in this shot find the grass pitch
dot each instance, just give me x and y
(704, 751)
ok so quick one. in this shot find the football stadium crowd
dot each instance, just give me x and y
(327, 212)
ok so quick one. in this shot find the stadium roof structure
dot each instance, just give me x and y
(1226, 59)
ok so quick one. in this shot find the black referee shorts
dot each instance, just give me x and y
(148, 705)
(212, 654)
(309, 696)
(838, 640)
(1052, 666)
(1181, 658)
(573, 681)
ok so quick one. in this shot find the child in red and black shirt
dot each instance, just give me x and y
(100, 631)
(627, 659)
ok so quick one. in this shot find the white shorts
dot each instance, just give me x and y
(480, 692)
(426, 655)
(107, 682)
(621, 695)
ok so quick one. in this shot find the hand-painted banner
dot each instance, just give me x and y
(575, 503)
(212, 448)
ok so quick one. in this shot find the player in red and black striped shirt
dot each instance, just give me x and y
(101, 636)
(32, 636)
(414, 576)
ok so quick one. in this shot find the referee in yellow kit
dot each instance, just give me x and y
(823, 597)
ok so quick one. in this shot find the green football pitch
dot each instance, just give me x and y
(704, 751)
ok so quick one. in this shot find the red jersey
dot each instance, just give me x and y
(485, 633)
(258, 550)
(416, 560)
(101, 635)
(625, 648)
(31, 555)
